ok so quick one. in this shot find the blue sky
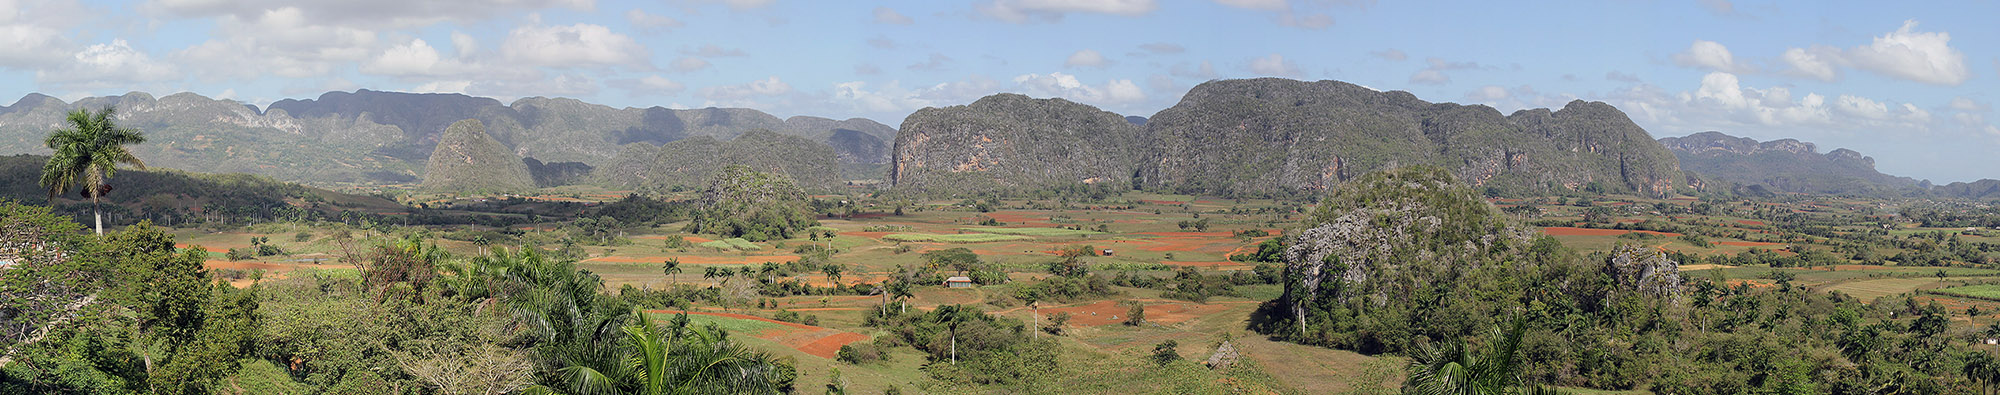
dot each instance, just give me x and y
(1911, 85)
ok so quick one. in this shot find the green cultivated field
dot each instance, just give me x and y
(1985, 291)
(965, 238)
(1037, 232)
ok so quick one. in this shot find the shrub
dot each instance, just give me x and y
(1166, 352)
(237, 254)
(859, 353)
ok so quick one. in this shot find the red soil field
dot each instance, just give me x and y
(1573, 231)
(209, 249)
(1747, 243)
(1749, 222)
(702, 260)
(817, 341)
(1160, 202)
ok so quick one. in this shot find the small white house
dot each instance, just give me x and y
(958, 282)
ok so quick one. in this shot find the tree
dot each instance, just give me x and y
(1454, 368)
(1136, 315)
(832, 271)
(902, 292)
(87, 152)
(671, 267)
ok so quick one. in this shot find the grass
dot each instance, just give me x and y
(965, 238)
(735, 326)
(735, 243)
(1037, 232)
(1985, 291)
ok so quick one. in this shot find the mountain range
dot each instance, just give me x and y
(386, 137)
(1250, 137)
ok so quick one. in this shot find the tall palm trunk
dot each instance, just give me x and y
(97, 212)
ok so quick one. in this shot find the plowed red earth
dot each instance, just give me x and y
(1571, 231)
(812, 340)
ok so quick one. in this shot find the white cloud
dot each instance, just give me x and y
(1391, 54)
(1712, 56)
(1967, 105)
(1261, 5)
(108, 65)
(771, 86)
(415, 59)
(1862, 107)
(31, 31)
(1816, 63)
(888, 16)
(1021, 11)
(1912, 55)
(575, 45)
(689, 63)
(1723, 103)
(1086, 58)
(361, 14)
(282, 41)
(651, 22)
(1275, 65)
(1067, 86)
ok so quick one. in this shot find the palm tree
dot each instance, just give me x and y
(1454, 368)
(832, 271)
(88, 151)
(678, 359)
(901, 291)
(671, 267)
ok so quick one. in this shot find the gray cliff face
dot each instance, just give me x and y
(1010, 141)
(1279, 136)
(1785, 165)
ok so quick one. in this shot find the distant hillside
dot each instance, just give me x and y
(467, 160)
(688, 163)
(171, 196)
(1782, 165)
(1271, 136)
(1982, 189)
(385, 137)
(1013, 141)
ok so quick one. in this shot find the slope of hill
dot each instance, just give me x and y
(1012, 141)
(162, 194)
(467, 160)
(1271, 136)
(1783, 165)
(688, 163)
(385, 137)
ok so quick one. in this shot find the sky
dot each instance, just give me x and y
(1912, 84)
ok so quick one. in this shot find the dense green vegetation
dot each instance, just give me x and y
(1396, 260)
(753, 205)
(127, 313)
(688, 163)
